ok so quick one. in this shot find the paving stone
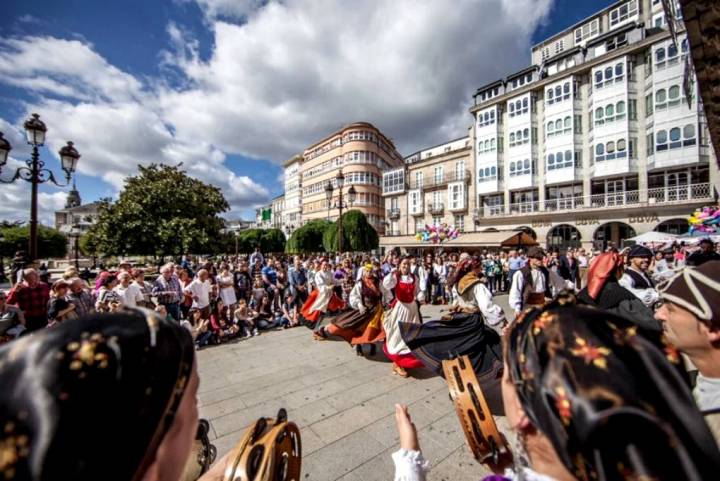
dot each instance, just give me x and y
(341, 457)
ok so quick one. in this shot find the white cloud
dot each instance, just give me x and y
(283, 77)
(299, 69)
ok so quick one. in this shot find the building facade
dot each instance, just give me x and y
(433, 187)
(363, 153)
(278, 207)
(601, 139)
(292, 212)
(76, 217)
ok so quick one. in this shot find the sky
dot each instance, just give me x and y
(233, 88)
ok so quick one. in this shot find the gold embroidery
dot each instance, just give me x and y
(591, 354)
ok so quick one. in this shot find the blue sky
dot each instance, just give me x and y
(231, 88)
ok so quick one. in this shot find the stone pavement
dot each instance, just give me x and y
(343, 404)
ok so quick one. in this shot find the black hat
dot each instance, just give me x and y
(639, 251)
(697, 289)
(706, 240)
(535, 253)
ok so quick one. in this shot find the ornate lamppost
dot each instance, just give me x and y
(75, 232)
(339, 181)
(34, 171)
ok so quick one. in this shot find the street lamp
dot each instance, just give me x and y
(340, 205)
(2, 264)
(34, 171)
(75, 234)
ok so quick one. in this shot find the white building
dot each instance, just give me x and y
(593, 143)
(596, 141)
(292, 213)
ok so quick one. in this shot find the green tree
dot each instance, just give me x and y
(308, 238)
(51, 242)
(358, 234)
(161, 211)
(269, 240)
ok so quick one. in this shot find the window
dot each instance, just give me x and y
(438, 175)
(578, 124)
(689, 135)
(648, 105)
(486, 118)
(674, 96)
(619, 70)
(520, 167)
(415, 206)
(675, 140)
(610, 74)
(660, 58)
(672, 54)
(460, 223)
(598, 79)
(609, 113)
(394, 181)
(599, 116)
(566, 90)
(550, 129)
(437, 219)
(589, 30)
(660, 99)
(487, 173)
(632, 109)
(620, 110)
(419, 180)
(623, 13)
(549, 96)
(518, 107)
(661, 140)
(567, 124)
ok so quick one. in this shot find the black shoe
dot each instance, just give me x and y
(358, 350)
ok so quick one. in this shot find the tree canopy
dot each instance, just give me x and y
(161, 211)
(308, 238)
(51, 242)
(358, 234)
(269, 240)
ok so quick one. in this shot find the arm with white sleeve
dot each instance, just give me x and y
(355, 297)
(515, 294)
(390, 281)
(492, 313)
(648, 296)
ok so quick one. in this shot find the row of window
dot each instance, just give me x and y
(487, 145)
(522, 80)
(558, 94)
(487, 118)
(610, 75)
(518, 107)
(324, 167)
(589, 30)
(665, 99)
(519, 138)
(559, 127)
(560, 160)
(623, 12)
(355, 157)
(675, 138)
(359, 135)
(667, 57)
(488, 173)
(613, 112)
(521, 167)
(611, 150)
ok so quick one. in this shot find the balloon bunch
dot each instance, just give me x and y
(705, 220)
(437, 234)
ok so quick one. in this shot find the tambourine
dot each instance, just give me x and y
(202, 455)
(270, 450)
(483, 437)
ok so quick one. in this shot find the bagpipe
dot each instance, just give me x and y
(481, 433)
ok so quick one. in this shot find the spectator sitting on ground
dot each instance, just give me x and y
(219, 323)
(245, 318)
(289, 316)
(200, 329)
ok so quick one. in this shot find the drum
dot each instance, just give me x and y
(485, 441)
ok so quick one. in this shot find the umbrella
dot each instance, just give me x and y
(654, 237)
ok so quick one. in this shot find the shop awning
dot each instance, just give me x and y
(470, 239)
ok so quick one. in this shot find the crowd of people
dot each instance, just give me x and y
(606, 368)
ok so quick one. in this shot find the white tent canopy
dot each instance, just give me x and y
(654, 237)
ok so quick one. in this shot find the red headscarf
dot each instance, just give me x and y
(600, 271)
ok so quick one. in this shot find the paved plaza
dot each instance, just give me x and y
(343, 404)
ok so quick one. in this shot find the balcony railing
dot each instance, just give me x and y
(393, 232)
(393, 214)
(436, 209)
(632, 198)
(436, 181)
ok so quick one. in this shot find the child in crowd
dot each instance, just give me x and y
(219, 324)
(245, 319)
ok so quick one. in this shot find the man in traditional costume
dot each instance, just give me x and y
(363, 323)
(408, 292)
(322, 299)
(534, 283)
(690, 314)
(636, 278)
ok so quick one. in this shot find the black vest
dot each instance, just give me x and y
(639, 281)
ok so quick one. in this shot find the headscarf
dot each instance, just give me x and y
(602, 268)
(93, 398)
(612, 398)
(468, 264)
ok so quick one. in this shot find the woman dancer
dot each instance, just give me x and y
(469, 330)
(362, 324)
(408, 292)
(322, 299)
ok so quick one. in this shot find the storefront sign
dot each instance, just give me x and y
(588, 221)
(585, 221)
(642, 219)
(541, 223)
